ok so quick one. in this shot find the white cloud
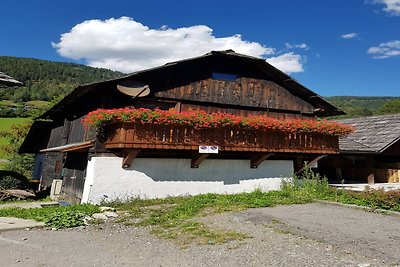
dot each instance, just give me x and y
(301, 46)
(349, 35)
(385, 50)
(391, 6)
(126, 45)
(288, 61)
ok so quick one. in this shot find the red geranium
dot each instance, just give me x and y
(202, 120)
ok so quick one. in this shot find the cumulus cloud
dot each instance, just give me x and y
(289, 62)
(385, 50)
(126, 45)
(300, 46)
(349, 35)
(391, 6)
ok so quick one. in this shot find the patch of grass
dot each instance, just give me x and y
(174, 217)
(311, 185)
(53, 216)
(17, 200)
(38, 104)
(8, 103)
(5, 124)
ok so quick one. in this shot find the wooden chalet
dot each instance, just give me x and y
(156, 161)
(370, 154)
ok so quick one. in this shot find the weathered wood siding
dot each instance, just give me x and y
(74, 174)
(52, 164)
(58, 165)
(247, 92)
(56, 137)
(52, 167)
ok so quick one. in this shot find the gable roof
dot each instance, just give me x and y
(8, 80)
(372, 134)
(256, 64)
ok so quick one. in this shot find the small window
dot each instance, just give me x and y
(224, 76)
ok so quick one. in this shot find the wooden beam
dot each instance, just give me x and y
(129, 157)
(370, 167)
(258, 158)
(310, 163)
(298, 163)
(197, 159)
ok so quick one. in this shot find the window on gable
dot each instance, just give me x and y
(224, 76)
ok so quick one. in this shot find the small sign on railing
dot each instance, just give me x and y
(208, 149)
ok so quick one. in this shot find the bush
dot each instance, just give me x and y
(309, 185)
(12, 180)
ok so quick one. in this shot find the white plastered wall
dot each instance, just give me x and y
(153, 178)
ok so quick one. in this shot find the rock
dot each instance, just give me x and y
(23, 239)
(110, 214)
(86, 220)
(103, 209)
(100, 216)
(364, 265)
(54, 229)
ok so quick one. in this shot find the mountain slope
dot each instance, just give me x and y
(45, 80)
(363, 105)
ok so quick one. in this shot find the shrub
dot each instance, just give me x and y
(12, 180)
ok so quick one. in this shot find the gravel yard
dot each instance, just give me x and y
(296, 235)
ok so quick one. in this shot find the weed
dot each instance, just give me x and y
(54, 216)
(65, 219)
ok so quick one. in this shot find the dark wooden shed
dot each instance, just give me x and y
(370, 154)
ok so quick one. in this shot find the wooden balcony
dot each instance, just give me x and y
(145, 136)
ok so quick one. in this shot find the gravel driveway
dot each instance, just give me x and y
(297, 235)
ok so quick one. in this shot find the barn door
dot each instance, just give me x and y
(74, 173)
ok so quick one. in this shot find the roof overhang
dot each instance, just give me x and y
(37, 137)
(75, 147)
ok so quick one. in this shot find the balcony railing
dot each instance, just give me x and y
(128, 135)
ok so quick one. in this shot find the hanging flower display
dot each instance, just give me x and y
(202, 120)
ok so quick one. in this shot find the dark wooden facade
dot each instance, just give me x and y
(183, 86)
(244, 92)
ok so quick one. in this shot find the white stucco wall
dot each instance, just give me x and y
(152, 178)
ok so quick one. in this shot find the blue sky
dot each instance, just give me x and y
(333, 47)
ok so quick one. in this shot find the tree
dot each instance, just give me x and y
(390, 107)
(20, 163)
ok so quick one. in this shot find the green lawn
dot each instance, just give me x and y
(5, 124)
(38, 104)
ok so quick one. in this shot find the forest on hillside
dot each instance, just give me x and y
(357, 106)
(45, 80)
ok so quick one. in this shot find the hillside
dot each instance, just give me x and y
(365, 105)
(45, 80)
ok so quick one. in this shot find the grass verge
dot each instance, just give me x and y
(175, 217)
(53, 216)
